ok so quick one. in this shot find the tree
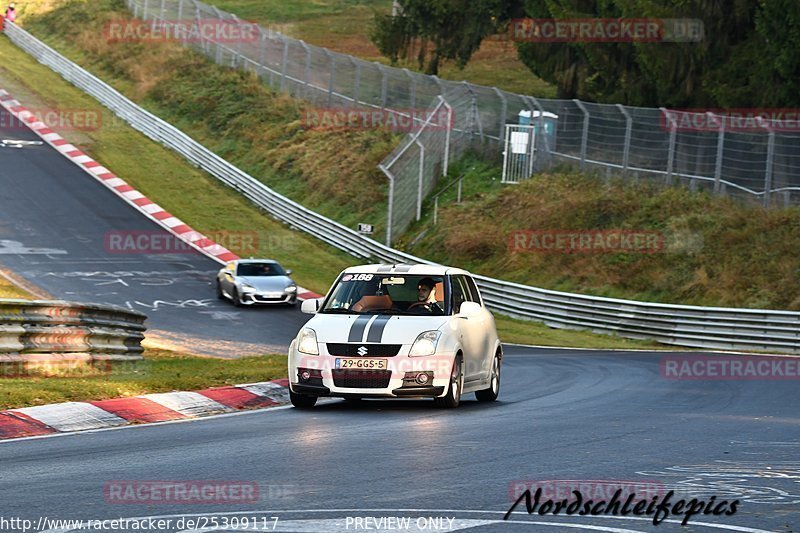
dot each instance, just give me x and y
(437, 30)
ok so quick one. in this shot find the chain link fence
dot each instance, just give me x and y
(639, 143)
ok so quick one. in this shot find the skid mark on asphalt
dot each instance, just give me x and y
(773, 482)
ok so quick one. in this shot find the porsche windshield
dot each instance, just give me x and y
(388, 294)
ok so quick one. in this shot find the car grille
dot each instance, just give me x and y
(362, 379)
(364, 350)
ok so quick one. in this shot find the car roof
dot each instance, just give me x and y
(405, 268)
(244, 261)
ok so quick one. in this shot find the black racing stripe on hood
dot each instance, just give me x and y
(358, 327)
(376, 329)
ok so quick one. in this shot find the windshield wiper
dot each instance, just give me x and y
(340, 310)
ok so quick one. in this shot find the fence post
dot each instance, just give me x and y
(627, 149)
(503, 112)
(284, 63)
(180, 12)
(720, 152)
(412, 88)
(421, 174)
(332, 75)
(262, 58)
(307, 70)
(538, 132)
(768, 174)
(384, 85)
(474, 108)
(585, 134)
(447, 134)
(357, 82)
(391, 204)
(672, 132)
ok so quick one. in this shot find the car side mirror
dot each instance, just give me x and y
(470, 309)
(310, 307)
(289, 272)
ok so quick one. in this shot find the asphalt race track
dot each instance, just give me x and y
(592, 417)
(54, 221)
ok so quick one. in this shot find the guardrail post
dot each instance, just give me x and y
(503, 112)
(332, 76)
(720, 152)
(585, 134)
(768, 172)
(628, 128)
(284, 62)
(672, 133)
(421, 175)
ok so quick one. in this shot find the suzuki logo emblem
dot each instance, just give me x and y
(362, 350)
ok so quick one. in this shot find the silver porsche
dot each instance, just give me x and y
(256, 281)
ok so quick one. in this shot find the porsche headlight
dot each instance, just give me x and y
(248, 288)
(307, 342)
(291, 288)
(425, 344)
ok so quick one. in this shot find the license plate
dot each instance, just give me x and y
(363, 364)
(273, 294)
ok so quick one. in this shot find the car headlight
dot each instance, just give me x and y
(248, 288)
(307, 341)
(425, 344)
(291, 288)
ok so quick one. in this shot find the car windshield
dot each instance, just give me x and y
(260, 269)
(388, 294)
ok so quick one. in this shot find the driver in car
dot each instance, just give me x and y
(426, 297)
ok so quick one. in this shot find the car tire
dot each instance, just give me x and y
(490, 394)
(302, 401)
(237, 300)
(220, 296)
(452, 399)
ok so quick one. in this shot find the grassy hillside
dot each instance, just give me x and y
(714, 251)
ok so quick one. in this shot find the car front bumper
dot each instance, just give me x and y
(397, 381)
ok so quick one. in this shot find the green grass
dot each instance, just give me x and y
(161, 371)
(201, 105)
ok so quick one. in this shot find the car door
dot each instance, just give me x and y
(488, 335)
(470, 330)
(226, 282)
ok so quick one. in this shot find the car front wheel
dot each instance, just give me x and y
(453, 396)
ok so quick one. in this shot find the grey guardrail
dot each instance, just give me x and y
(86, 331)
(699, 327)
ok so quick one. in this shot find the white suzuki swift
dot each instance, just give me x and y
(393, 331)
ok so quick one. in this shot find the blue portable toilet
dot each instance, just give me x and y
(529, 117)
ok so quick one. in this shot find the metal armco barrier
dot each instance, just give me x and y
(36, 330)
(699, 327)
